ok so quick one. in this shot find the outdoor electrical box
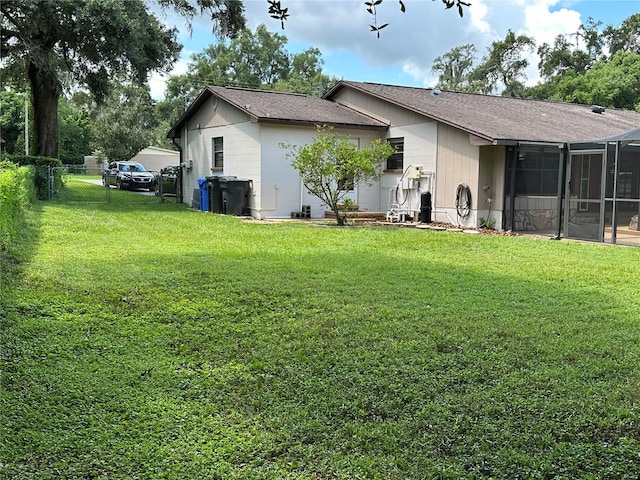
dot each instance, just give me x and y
(414, 172)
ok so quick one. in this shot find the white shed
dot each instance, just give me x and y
(155, 158)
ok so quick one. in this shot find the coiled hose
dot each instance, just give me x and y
(463, 200)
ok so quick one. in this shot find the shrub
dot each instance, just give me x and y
(16, 194)
(46, 169)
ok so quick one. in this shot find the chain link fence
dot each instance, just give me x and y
(86, 184)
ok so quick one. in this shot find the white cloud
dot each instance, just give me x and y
(408, 44)
(545, 26)
(478, 16)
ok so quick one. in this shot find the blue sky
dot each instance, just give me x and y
(405, 51)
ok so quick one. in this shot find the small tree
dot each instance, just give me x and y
(330, 162)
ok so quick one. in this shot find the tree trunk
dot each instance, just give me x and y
(45, 92)
(341, 217)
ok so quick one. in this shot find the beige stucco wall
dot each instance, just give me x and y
(491, 183)
(215, 113)
(458, 162)
(216, 118)
(420, 146)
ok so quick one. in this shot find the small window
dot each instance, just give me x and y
(218, 153)
(396, 159)
(346, 184)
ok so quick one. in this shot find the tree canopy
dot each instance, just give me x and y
(455, 67)
(504, 65)
(92, 42)
(125, 123)
(254, 60)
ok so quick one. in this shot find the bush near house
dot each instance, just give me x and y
(42, 172)
(16, 194)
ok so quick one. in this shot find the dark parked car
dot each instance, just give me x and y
(129, 175)
(167, 181)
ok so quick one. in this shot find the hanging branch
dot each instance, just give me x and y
(277, 12)
(371, 8)
(456, 3)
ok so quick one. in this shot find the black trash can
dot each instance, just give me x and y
(235, 195)
(215, 194)
(425, 207)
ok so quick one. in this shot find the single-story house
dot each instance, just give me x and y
(483, 158)
(156, 158)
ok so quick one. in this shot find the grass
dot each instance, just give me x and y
(141, 339)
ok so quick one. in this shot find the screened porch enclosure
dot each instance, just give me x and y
(602, 202)
(532, 177)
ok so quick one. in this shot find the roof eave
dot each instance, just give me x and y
(338, 86)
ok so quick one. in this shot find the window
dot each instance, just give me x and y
(218, 153)
(346, 184)
(396, 159)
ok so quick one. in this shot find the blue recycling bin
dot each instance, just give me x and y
(204, 194)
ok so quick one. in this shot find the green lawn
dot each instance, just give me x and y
(141, 339)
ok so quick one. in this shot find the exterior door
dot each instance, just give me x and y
(584, 212)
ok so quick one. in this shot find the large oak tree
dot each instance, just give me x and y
(93, 42)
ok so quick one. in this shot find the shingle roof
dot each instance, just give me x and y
(500, 118)
(282, 107)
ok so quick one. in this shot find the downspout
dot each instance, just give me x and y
(561, 180)
(179, 198)
(186, 148)
(301, 194)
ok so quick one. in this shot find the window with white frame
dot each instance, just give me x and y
(396, 159)
(217, 161)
